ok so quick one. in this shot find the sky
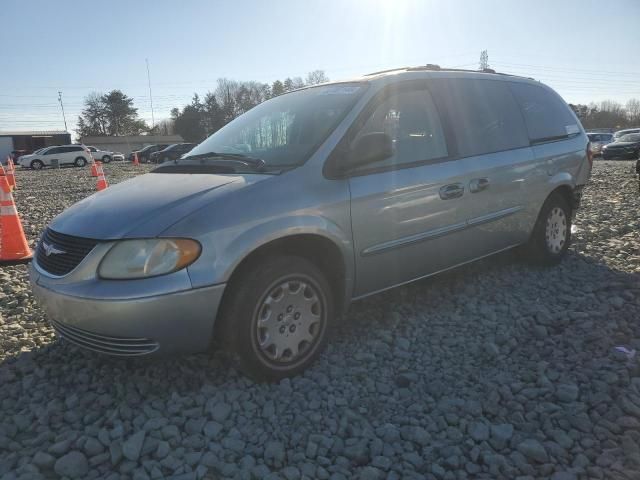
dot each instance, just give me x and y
(586, 50)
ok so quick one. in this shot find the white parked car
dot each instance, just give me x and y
(104, 156)
(77, 155)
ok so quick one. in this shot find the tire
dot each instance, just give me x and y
(80, 162)
(275, 317)
(106, 159)
(36, 165)
(552, 232)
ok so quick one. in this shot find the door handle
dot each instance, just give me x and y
(478, 184)
(453, 190)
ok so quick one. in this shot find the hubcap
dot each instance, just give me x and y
(556, 231)
(289, 320)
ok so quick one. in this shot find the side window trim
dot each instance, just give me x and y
(343, 146)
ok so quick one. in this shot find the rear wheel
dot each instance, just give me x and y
(80, 162)
(37, 165)
(552, 233)
(276, 317)
(106, 159)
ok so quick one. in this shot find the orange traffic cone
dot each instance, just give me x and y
(11, 173)
(136, 162)
(3, 174)
(13, 244)
(94, 169)
(102, 180)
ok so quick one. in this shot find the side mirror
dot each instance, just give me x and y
(370, 148)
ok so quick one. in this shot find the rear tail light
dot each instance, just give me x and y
(589, 154)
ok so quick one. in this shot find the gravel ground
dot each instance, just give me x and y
(497, 370)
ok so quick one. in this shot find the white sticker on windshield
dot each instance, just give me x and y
(572, 129)
(339, 90)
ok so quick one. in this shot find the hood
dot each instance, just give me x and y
(146, 205)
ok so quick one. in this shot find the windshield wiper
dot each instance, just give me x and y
(256, 163)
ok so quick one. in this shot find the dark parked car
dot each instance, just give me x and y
(172, 152)
(627, 147)
(144, 154)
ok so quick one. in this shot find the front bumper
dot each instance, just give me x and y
(172, 323)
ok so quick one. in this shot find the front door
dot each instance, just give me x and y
(408, 211)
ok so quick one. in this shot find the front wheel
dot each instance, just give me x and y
(106, 159)
(37, 165)
(276, 317)
(80, 162)
(552, 233)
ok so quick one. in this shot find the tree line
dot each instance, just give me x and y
(114, 114)
(608, 114)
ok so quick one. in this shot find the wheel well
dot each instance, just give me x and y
(320, 251)
(567, 193)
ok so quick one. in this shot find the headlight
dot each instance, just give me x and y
(131, 259)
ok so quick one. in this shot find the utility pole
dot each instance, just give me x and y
(153, 122)
(62, 106)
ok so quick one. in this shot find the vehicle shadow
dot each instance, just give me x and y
(469, 339)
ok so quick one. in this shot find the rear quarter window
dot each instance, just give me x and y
(482, 114)
(545, 114)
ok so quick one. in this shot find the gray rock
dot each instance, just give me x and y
(132, 447)
(501, 434)
(220, 411)
(381, 462)
(93, 447)
(533, 450)
(564, 476)
(567, 393)
(43, 460)
(274, 453)
(73, 465)
(479, 431)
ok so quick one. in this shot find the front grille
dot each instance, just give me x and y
(74, 248)
(119, 346)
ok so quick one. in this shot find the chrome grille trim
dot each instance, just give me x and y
(75, 250)
(119, 346)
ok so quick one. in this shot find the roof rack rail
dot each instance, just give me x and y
(437, 68)
(428, 66)
(386, 71)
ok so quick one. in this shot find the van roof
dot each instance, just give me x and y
(435, 70)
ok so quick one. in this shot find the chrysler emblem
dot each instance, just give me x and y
(50, 249)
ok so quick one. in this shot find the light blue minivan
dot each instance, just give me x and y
(265, 232)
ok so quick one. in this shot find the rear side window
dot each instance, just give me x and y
(483, 115)
(546, 116)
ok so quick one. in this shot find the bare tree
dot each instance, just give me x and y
(633, 111)
(316, 77)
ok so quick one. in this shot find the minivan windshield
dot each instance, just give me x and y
(286, 130)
